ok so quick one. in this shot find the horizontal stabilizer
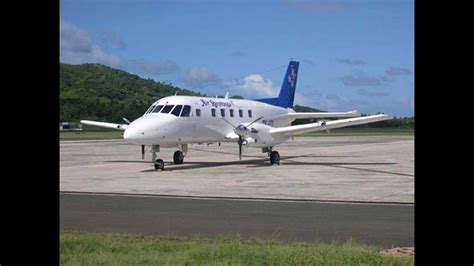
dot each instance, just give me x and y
(329, 124)
(104, 124)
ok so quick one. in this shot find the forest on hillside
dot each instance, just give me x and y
(98, 92)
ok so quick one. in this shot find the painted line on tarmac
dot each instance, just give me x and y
(408, 204)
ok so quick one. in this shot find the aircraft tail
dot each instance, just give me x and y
(286, 96)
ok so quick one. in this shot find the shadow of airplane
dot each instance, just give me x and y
(263, 162)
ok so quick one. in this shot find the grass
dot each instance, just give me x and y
(89, 135)
(80, 248)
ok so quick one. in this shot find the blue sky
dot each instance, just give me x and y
(354, 55)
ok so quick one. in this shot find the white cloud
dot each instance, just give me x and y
(394, 71)
(109, 38)
(76, 47)
(360, 80)
(73, 37)
(350, 61)
(199, 77)
(304, 99)
(316, 5)
(156, 68)
(253, 86)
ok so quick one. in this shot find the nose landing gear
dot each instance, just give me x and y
(178, 156)
(159, 164)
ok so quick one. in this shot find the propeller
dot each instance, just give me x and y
(241, 130)
(143, 152)
(240, 148)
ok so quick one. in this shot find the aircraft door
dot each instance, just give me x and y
(194, 117)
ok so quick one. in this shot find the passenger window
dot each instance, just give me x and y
(167, 109)
(213, 111)
(177, 110)
(231, 112)
(157, 109)
(186, 111)
(198, 112)
(250, 113)
(241, 113)
(223, 112)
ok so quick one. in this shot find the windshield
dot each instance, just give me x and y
(167, 109)
(157, 109)
(179, 110)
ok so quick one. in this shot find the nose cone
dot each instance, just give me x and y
(130, 134)
(140, 130)
(145, 130)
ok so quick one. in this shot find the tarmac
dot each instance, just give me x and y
(387, 225)
(349, 168)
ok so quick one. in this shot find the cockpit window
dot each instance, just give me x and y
(177, 110)
(186, 111)
(149, 109)
(157, 109)
(167, 109)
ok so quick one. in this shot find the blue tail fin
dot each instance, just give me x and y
(287, 92)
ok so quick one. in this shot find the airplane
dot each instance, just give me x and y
(177, 121)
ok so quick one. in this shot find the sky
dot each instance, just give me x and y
(354, 55)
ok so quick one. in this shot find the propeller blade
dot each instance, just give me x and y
(143, 152)
(240, 148)
(255, 121)
(228, 122)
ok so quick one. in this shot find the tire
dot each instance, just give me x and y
(159, 165)
(274, 158)
(178, 157)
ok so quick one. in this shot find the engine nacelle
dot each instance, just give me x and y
(259, 136)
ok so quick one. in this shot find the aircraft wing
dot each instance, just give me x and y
(329, 124)
(320, 115)
(105, 124)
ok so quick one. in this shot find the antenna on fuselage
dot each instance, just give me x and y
(226, 95)
(176, 93)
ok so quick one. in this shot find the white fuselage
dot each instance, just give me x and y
(199, 125)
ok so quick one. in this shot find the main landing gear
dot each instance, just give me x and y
(178, 156)
(274, 158)
(274, 155)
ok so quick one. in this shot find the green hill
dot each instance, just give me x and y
(98, 92)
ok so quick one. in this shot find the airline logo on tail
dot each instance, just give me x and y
(292, 77)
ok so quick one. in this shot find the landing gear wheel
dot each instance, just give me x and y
(274, 158)
(159, 165)
(178, 157)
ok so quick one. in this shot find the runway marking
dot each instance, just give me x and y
(141, 195)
